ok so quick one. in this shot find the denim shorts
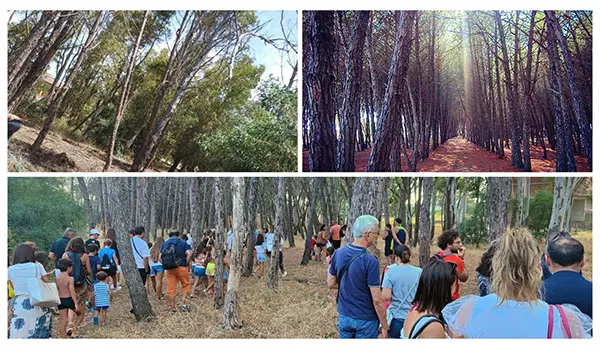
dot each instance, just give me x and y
(98, 308)
(199, 271)
(154, 269)
(349, 327)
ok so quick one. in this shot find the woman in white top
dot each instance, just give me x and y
(27, 321)
(513, 309)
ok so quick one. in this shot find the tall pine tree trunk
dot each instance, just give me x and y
(273, 274)
(499, 190)
(231, 310)
(118, 193)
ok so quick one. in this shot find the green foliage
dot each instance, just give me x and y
(540, 211)
(473, 230)
(264, 144)
(39, 210)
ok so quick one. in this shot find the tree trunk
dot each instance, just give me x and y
(231, 310)
(219, 244)
(89, 213)
(273, 275)
(249, 263)
(195, 223)
(57, 102)
(425, 220)
(320, 91)
(351, 99)
(124, 96)
(450, 204)
(584, 126)
(519, 203)
(312, 216)
(498, 189)
(563, 198)
(118, 190)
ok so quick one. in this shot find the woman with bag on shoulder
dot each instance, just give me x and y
(514, 309)
(28, 321)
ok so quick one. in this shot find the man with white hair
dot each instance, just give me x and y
(355, 273)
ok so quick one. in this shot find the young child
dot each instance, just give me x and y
(313, 243)
(102, 297)
(68, 298)
(198, 269)
(261, 255)
(210, 270)
(95, 265)
(329, 253)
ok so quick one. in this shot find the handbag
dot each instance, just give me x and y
(42, 294)
(563, 321)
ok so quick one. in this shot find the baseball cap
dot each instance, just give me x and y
(94, 232)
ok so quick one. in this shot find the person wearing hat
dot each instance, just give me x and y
(94, 234)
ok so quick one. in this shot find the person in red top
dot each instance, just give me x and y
(334, 232)
(453, 251)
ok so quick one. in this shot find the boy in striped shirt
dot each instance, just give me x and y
(102, 296)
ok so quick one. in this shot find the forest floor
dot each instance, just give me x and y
(300, 308)
(460, 155)
(57, 154)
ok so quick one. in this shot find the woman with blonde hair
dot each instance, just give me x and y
(513, 309)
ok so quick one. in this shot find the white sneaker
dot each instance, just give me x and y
(284, 274)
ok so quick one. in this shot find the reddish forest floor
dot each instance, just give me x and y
(461, 155)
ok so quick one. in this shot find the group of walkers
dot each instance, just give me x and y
(87, 274)
(515, 301)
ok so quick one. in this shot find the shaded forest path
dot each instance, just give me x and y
(57, 154)
(460, 155)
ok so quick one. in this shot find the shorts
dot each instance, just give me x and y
(210, 269)
(178, 274)
(154, 269)
(225, 275)
(261, 258)
(199, 271)
(321, 245)
(82, 295)
(143, 275)
(66, 303)
(98, 308)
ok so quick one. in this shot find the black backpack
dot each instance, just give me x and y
(79, 271)
(441, 258)
(107, 265)
(169, 257)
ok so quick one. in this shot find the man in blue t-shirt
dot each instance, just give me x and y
(355, 273)
(58, 248)
(183, 254)
(566, 285)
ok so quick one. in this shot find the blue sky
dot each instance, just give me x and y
(267, 55)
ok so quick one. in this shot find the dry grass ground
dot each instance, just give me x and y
(300, 308)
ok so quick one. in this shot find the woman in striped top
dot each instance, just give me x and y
(102, 296)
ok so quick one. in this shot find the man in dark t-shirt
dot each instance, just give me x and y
(58, 248)
(566, 285)
(355, 273)
(94, 234)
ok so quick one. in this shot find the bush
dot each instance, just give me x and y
(39, 210)
(540, 210)
(473, 230)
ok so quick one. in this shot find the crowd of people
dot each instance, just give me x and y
(522, 292)
(88, 273)
(515, 299)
